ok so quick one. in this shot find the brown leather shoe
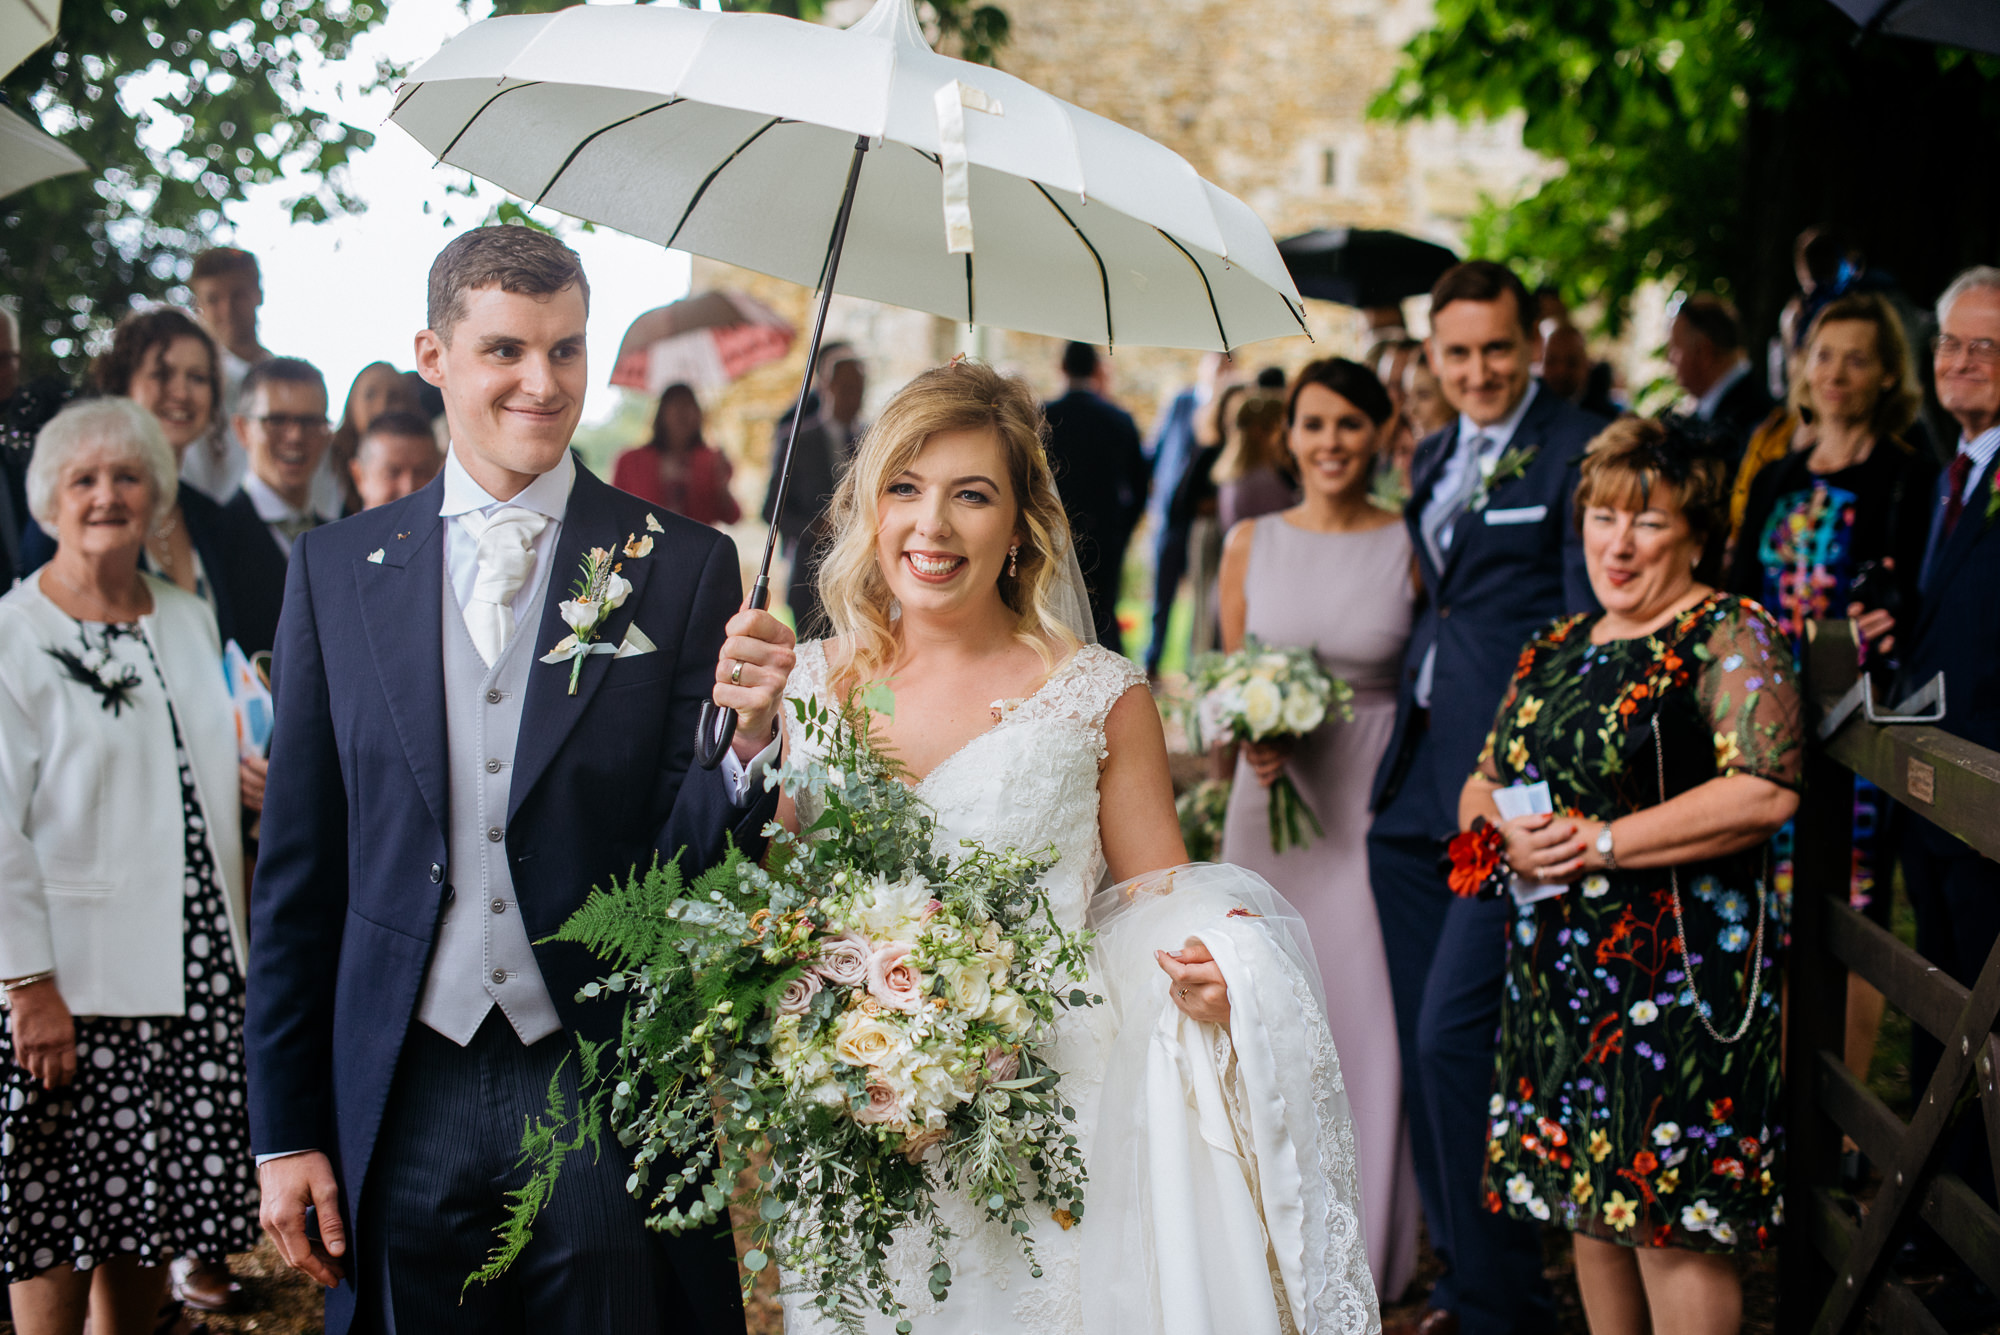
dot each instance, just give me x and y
(1430, 1321)
(206, 1286)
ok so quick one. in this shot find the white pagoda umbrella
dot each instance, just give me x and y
(28, 156)
(857, 161)
(25, 27)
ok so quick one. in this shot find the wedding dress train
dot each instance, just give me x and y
(1222, 1197)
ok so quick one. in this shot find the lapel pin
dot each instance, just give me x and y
(401, 536)
(376, 556)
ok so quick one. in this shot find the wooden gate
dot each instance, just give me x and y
(1834, 1272)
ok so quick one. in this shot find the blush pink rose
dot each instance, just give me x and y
(1001, 1064)
(843, 961)
(893, 980)
(882, 1107)
(798, 994)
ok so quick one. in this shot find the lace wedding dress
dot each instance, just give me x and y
(1222, 1193)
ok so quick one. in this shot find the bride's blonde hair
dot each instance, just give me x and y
(964, 396)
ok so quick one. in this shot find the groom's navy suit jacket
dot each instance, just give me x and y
(1511, 569)
(353, 872)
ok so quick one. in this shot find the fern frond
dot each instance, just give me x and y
(545, 1143)
(627, 924)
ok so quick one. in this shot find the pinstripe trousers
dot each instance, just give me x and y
(447, 1156)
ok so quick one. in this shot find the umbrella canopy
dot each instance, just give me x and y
(704, 341)
(1973, 24)
(27, 155)
(25, 27)
(1363, 268)
(729, 135)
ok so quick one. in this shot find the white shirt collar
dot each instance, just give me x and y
(546, 495)
(1503, 430)
(1981, 449)
(1705, 406)
(270, 506)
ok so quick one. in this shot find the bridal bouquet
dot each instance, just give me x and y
(862, 1013)
(1259, 693)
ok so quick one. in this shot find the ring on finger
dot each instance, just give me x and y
(736, 675)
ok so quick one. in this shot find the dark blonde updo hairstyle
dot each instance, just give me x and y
(963, 396)
(1640, 464)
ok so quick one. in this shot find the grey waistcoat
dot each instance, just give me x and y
(483, 958)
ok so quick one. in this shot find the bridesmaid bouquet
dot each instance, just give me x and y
(862, 1015)
(1260, 693)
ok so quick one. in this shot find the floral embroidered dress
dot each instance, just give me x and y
(1615, 1111)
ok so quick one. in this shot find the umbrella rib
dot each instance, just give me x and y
(968, 289)
(709, 180)
(465, 128)
(592, 138)
(1103, 278)
(1213, 309)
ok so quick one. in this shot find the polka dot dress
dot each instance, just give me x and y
(147, 1153)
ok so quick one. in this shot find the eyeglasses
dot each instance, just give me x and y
(279, 423)
(1950, 347)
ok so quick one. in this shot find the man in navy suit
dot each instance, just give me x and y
(1500, 555)
(443, 796)
(1954, 891)
(1102, 472)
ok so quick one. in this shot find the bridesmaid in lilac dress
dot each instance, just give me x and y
(1335, 573)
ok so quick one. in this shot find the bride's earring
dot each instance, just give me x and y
(1014, 561)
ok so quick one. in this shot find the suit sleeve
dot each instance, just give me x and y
(298, 901)
(702, 817)
(1577, 593)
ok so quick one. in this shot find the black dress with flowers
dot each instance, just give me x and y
(1615, 1111)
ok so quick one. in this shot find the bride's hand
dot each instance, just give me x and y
(1198, 988)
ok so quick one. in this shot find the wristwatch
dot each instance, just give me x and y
(1604, 848)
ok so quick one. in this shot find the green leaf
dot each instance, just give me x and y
(879, 697)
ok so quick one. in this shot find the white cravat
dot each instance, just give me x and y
(506, 560)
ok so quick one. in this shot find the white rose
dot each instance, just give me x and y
(1303, 712)
(580, 613)
(829, 1095)
(969, 984)
(1010, 1012)
(864, 1040)
(1263, 706)
(1211, 716)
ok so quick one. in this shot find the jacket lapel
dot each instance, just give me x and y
(1432, 451)
(1527, 436)
(402, 608)
(1953, 550)
(548, 710)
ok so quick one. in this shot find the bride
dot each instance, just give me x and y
(1222, 1190)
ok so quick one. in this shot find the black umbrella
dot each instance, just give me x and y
(1972, 24)
(1356, 267)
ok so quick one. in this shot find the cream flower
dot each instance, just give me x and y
(1263, 706)
(1010, 1012)
(887, 909)
(864, 1040)
(970, 984)
(1303, 712)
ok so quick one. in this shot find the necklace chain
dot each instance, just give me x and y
(1702, 1008)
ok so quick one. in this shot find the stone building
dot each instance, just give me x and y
(1267, 98)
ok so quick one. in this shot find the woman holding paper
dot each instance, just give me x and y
(123, 1135)
(1637, 1092)
(1356, 558)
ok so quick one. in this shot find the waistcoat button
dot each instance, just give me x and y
(493, 766)
(493, 697)
(499, 975)
(494, 834)
(499, 906)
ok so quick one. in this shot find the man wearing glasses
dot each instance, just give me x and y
(281, 419)
(1956, 630)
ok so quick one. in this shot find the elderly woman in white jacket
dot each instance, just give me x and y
(123, 1137)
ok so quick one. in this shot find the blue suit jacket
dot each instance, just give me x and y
(353, 870)
(1501, 582)
(1956, 631)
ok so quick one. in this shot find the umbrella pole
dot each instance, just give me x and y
(717, 728)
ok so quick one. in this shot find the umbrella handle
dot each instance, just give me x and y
(717, 727)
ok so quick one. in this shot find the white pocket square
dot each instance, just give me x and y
(1527, 514)
(635, 644)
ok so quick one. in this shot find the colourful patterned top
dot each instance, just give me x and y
(1614, 1111)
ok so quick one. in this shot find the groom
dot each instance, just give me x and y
(442, 798)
